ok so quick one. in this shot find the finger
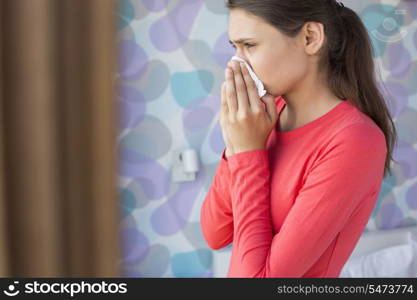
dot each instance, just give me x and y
(231, 97)
(224, 110)
(271, 108)
(223, 98)
(254, 100)
(241, 90)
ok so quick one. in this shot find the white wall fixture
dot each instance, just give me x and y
(185, 165)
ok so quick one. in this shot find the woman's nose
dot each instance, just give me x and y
(241, 55)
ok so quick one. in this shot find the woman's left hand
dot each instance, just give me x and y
(249, 119)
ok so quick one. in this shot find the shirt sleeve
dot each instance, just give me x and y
(216, 216)
(347, 172)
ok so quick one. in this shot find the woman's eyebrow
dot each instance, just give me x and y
(240, 41)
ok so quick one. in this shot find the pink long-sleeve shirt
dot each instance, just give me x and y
(298, 207)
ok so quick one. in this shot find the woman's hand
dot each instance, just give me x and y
(223, 116)
(246, 120)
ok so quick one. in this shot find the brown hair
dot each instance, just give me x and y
(347, 56)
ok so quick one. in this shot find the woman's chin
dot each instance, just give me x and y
(271, 93)
(275, 95)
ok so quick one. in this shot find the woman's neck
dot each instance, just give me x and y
(309, 100)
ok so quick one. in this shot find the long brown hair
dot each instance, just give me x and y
(347, 56)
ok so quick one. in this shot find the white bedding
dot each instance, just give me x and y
(387, 253)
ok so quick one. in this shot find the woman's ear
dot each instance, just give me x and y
(313, 34)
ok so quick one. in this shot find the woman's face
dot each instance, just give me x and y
(278, 60)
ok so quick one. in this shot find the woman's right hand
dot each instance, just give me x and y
(223, 115)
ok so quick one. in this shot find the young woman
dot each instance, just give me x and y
(303, 166)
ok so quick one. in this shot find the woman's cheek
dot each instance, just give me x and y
(266, 75)
(278, 83)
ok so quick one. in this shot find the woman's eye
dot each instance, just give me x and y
(246, 45)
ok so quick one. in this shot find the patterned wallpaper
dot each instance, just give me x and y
(171, 62)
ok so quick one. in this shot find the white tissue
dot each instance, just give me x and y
(258, 83)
